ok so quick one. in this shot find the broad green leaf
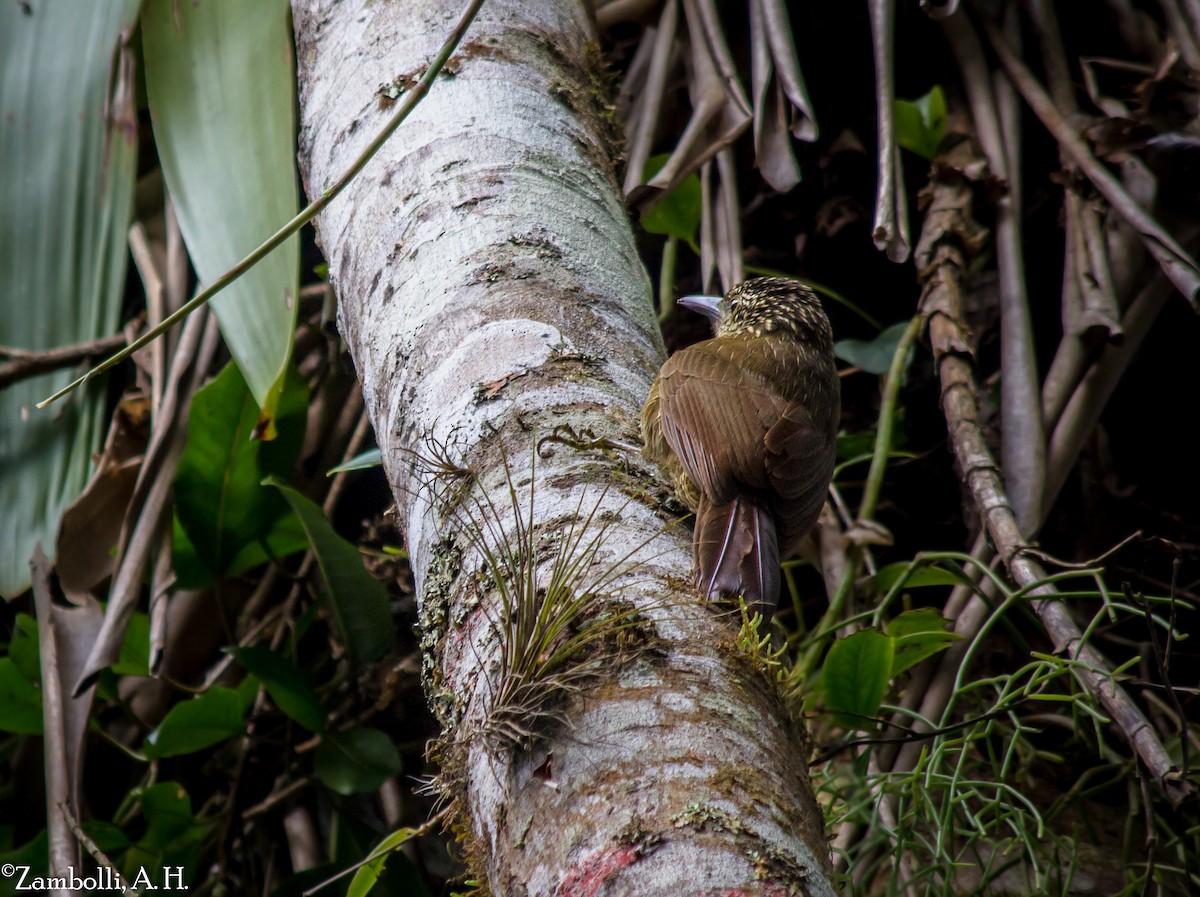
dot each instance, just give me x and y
(368, 874)
(168, 813)
(288, 685)
(359, 601)
(221, 88)
(917, 634)
(68, 158)
(888, 576)
(369, 458)
(856, 674)
(921, 123)
(107, 836)
(855, 445)
(197, 723)
(873, 356)
(231, 520)
(20, 701)
(24, 648)
(356, 760)
(173, 836)
(678, 213)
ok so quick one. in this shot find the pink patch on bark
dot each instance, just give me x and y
(587, 879)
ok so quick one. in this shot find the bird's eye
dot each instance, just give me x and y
(732, 303)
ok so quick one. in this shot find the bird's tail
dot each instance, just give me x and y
(737, 553)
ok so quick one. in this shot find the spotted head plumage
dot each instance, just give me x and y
(765, 306)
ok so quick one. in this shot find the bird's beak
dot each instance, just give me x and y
(709, 306)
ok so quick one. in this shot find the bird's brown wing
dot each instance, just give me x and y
(800, 454)
(715, 417)
(732, 429)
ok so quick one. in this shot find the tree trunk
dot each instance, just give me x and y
(490, 292)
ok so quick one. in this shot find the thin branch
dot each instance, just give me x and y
(23, 363)
(944, 266)
(93, 849)
(1023, 442)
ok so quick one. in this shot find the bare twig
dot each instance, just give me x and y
(23, 363)
(93, 849)
(150, 505)
(1023, 443)
(641, 131)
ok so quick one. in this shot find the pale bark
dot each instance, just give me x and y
(490, 290)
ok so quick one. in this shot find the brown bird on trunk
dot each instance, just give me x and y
(745, 424)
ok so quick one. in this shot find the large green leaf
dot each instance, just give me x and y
(356, 760)
(917, 634)
(358, 600)
(873, 356)
(287, 684)
(66, 178)
(197, 723)
(174, 837)
(678, 213)
(221, 89)
(856, 674)
(231, 520)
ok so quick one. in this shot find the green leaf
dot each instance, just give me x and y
(921, 123)
(856, 674)
(917, 634)
(68, 161)
(369, 458)
(221, 89)
(873, 356)
(288, 685)
(855, 445)
(173, 836)
(168, 813)
(134, 659)
(678, 213)
(20, 701)
(359, 601)
(356, 760)
(231, 520)
(369, 873)
(107, 836)
(198, 723)
(887, 577)
(24, 649)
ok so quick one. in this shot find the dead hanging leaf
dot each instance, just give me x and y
(720, 110)
(65, 636)
(890, 232)
(781, 106)
(644, 90)
(89, 528)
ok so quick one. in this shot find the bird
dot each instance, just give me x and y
(745, 426)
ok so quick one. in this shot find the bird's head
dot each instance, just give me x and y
(766, 305)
